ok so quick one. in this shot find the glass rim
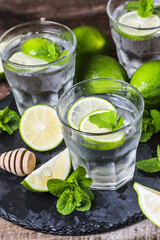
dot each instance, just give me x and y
(39, 22)
(122, 25)
(139, 115)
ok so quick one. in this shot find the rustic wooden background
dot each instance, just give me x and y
(72, 13)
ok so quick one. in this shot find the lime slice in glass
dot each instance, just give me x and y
(104, 141)
(40, 128)
(137, 26)
(57, 167)
(83, 107)
(23, 59)
(149, 202)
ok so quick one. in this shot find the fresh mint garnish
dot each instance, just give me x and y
(43, 48)
(150, 125)
(150, 165)
(132, 6)
(144, 7)
(9, 120)
(106, 120)
(74, 192)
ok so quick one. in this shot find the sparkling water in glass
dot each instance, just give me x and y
(110, 165)
(132, 51)
(38, 84)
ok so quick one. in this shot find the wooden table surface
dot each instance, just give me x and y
(72, 13)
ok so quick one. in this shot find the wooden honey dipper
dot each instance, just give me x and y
(20, 161)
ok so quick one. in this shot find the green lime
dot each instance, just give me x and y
(2, 76)
(83, 107)
(104, 141)
(147, 80)
(57, 167)
(136, 27)
(40, 128)
(101, 66)
(90, 41)
(149, 202)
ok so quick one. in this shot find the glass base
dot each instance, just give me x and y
(113, 185)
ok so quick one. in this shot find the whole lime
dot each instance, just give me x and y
(101, 66)
(147, 80)
(90, 41)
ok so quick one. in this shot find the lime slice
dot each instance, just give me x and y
(2, 77)
(83, 107)
(23, 59)
(149, 202)
(40, 128)
(135, 23)
(57, 167)
(108, 139)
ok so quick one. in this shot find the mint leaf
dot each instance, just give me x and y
(145, 8)
(85, 203)
(158, 152)
(150, 165)
(90, 194)
(119, 123)
(9, 120)
(73, 193)
(57, 186)
(155, 120)
(150, 125)
(42, 48)
(132, 6)
(103, 120)
(66, 203)
(79, 172)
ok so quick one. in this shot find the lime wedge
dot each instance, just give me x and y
(105, 141)
(57, 167)
(2, 77)
(40, 128)
(83, 107)
(149, 202)
(137, 26)
(23, 59)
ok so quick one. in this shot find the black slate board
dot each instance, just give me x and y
(37, 211)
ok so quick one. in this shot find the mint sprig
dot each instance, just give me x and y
(106, 120)
(9, 120)
(150, 165)
(150, 125)
(74, 192)
(43, 48)
(144, 7)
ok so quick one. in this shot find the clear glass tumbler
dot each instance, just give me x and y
(134, 46)
(44, 83)
(110, 164)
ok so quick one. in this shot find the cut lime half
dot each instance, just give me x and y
(57, 167)
(149, 202)
(104, 141)
(40, 128)
(137, 26)
(84, 106)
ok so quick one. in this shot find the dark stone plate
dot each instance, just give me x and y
(37, 211)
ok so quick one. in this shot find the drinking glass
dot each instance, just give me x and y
(111, 164)
(134, 46)
(44, 83)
